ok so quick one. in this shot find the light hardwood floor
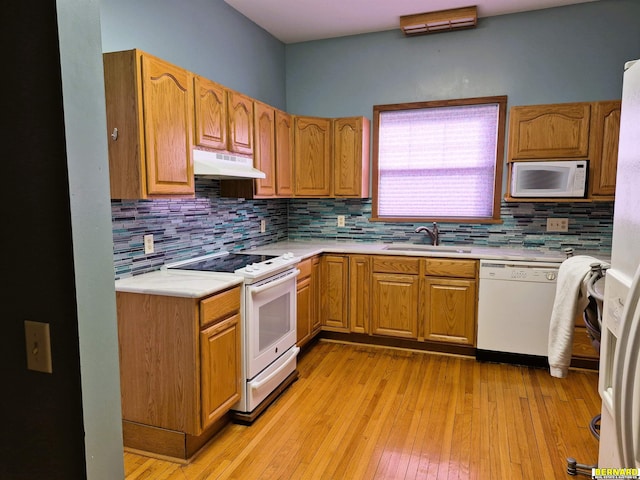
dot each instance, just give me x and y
(360, 412)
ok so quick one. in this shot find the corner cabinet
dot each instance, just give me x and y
(450, 300)
(273, 152)
(180, 361)
(149, 104)
(569, 131)
(331, 157)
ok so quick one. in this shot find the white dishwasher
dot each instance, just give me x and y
(515, 301)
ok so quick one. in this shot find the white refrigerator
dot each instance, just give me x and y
(619, 380)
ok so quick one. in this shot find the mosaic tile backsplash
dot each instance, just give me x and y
(185, 228)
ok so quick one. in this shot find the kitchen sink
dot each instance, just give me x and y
(428, 248)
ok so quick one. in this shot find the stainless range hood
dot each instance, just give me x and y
(224, 166)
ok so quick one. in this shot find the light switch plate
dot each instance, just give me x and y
(38, 345)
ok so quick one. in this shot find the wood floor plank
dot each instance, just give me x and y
(364, 412)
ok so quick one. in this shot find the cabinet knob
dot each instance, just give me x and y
(114, 134)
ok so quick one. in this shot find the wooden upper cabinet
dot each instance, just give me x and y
(210, 114)
(149, 105)
(603, 149)
(264, 153)
(240, 110)
(312, 157)
(548, 132)
(351, 157)
(284, 154)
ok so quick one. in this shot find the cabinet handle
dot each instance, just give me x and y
(114, 134)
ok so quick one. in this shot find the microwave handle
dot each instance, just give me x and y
(261, 288)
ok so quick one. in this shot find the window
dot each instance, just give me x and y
(439, 160)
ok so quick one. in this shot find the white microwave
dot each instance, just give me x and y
(561, 179)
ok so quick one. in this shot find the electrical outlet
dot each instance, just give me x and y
(557, 224)
(341, 220)
(148, 244)
(38, 346)
(263, 226)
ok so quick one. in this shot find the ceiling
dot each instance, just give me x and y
(293, 21)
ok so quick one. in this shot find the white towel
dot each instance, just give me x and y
(571, 299)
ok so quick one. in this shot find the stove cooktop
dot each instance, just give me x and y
(225, 263)
(252, 267)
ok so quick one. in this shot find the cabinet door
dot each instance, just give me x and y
(549, 131)
(312, 157)
(303, 311)
(220, 368)
(210, 114)
(395, 305)
(333, 294)
(603, 150)
(284, 154)
(264, 156)
(359, 293)
(351, 157)
(450, 313)
(168, 126)
(240, 110)
(316, 320)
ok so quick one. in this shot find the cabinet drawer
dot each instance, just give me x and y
(449, 267)
(396, 264)
(305, 269)
(219, 306)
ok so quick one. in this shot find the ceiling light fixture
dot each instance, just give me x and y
(440, 21)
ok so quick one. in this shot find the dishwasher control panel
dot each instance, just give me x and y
(519, 271)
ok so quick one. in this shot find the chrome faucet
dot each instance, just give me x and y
(434, 233)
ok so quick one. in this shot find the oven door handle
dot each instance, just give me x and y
(291, 354)
(275, 283)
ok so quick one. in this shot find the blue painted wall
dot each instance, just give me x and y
(556, 55)
(207, 37)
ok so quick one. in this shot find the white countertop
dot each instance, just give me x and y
(201, 284)
(305, 249)
(178, 283)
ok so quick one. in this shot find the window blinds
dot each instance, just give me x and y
(437, 162)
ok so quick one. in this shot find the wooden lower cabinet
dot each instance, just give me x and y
(395, 287)
(180, 361)
(450, 310)
(359, 293)
(308, 318)
(409, 298)
(334, 305)
(219, 364)
(450, 300)
(395, 305)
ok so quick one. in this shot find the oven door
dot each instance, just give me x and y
(270, 320)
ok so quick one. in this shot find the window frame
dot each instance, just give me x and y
(500, 100)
